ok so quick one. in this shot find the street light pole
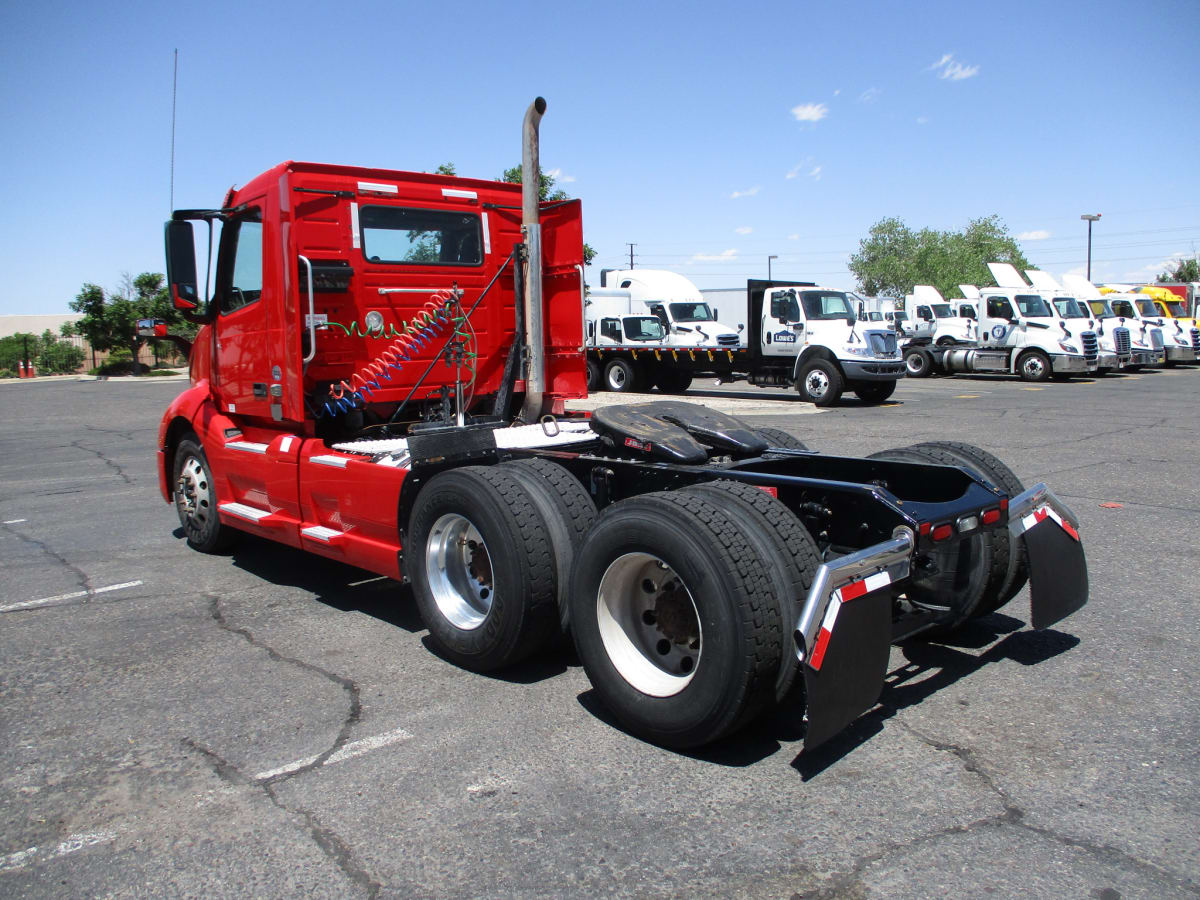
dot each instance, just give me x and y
(1090, 218)
(769, 258)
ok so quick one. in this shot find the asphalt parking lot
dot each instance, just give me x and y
(272, 724)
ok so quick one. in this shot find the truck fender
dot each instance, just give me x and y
(814, 352)
(176, 422)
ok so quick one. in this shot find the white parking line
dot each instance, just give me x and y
(30, 604)
(15, 521)
(349, 751)
(23, 858)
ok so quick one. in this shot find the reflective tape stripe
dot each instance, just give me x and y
(844, 594)
(1042, 513)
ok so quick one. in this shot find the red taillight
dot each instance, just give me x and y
(767, 489)
(941, 532)
(991, 516)
(1004, 503)
(925, 526)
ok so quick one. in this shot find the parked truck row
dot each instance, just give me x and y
(382, 375)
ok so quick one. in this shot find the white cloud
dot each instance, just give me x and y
(806, 166)
(746, 193)
(870, 95)
(949, 68)
(922, 120)
(1039, 234)
(793, 237)
(837, 92)
(815, 174)
(557, 175)
(724, 256)
(810, 112)
(745, 229)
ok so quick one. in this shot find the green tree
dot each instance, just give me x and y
(1185, 270)
(548, 193)
(893, 258)
(110, 322)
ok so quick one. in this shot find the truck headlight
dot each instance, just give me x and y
(858, 350)
(1070, 348)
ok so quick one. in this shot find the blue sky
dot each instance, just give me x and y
(709, 134)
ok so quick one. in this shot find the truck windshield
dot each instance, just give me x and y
(1146, 308)
(1124, 308)
(901, 316)
(942, 311)
(1034, 306)
(1102, 309)
(1069, 308)
(826, 305)
(1174, 308)
(643, 328)
(691, 312)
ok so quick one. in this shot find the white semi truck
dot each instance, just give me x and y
(949, 326)
(1018, 334)
(1147, 344)
(678, 303)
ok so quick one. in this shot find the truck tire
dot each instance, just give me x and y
(568, 511)
(874, 391)
(481, 562)
(780, 439)
(653, 569)
(961, 571)
(946, 341)
(821, 383)
(919, 362)
(1034, 365)
(594, 380)
(622, 376)
(994, 470)
(196, 499)
(788, 550)
(673, 381)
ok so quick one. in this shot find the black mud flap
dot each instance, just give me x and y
(1058, 581)
(852, 665)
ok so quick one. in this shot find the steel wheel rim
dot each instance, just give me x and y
(817, 383)
(649, 624)
(617, 377)
(459, 570)
(193, 495)
(915, 364)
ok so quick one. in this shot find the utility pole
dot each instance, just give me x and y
(631, 246)
(769, 258)
(1090, 218)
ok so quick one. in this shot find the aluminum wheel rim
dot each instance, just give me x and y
(817, 383)
(193, 495)
(1034, 367)
(649, 624)
(459, 570)
(915, 364)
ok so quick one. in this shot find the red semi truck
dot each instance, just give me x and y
(380, 378)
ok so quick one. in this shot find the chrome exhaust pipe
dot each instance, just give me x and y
(535, 377)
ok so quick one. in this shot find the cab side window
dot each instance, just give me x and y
(246, 249)
(999, 308)
(611, 329)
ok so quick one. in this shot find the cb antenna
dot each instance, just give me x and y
(174, 89)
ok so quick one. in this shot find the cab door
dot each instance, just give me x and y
(780, 337)
(244, 301)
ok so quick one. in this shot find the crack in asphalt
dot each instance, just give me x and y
(81, 577)
(127, 435)
(1011, 816)
(78, 445)
(330, 843)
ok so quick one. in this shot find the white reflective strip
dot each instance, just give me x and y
(878, 580)
(377, 188)
(286, 444)
(487, 235)
(338, 462)
(246, 446)
(1028, 522)
(831, 611)
(233, 407)
(456, 194)
(354, 226)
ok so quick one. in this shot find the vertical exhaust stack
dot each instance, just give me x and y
(535, 379)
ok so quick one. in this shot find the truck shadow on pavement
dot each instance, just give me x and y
(343, 587)
(932, 666)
